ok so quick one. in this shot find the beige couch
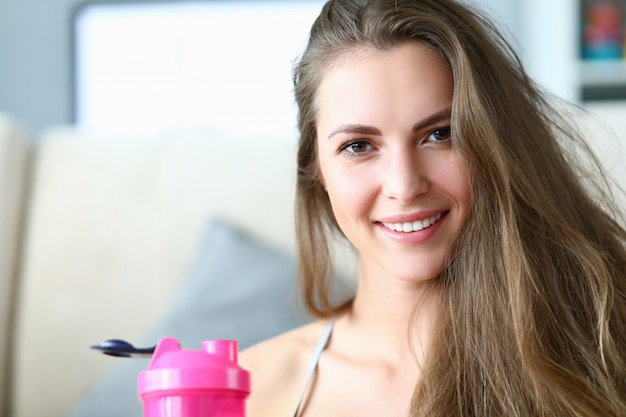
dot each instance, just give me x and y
(98, 234)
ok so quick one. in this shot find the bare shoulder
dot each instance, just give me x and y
(278, 369)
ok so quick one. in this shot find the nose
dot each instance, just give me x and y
(405, 178)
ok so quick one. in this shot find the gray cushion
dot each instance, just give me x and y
(237, 288)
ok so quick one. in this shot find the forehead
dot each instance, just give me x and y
(409, 56)
(366, 82)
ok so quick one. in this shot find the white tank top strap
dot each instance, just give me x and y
(319, 348)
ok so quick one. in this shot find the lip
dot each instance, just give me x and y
(417, 236)
(408, 218)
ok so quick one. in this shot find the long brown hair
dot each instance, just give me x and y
(533, 321)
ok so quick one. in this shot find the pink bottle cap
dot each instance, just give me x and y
(213, 367)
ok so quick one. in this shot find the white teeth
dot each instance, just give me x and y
(414, 226)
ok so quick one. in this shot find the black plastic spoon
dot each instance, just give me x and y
(123, 349)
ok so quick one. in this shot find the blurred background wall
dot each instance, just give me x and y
(35, 60)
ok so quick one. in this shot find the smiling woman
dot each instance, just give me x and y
(483, 289)
(385, 157)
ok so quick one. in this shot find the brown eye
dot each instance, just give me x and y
(440, 135)
(356, 147)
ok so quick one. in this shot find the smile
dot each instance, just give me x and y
(413, 226)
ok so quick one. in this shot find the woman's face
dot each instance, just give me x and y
(398, 190)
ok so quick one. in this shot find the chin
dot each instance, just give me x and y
(417, 271)
(416, 275)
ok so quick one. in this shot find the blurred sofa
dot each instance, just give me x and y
(186, 234)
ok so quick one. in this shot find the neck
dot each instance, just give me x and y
(396, 316)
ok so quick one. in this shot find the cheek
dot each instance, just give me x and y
(341, 186)
(458, 184)
(350, 190)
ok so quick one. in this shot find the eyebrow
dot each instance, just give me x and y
(355, 128)
(370, 130)
(441, 115)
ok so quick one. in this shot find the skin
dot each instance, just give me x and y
(385, 156)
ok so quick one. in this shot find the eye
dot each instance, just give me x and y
(356, 147)
(442, 134)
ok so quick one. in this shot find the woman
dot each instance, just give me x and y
(492, 280)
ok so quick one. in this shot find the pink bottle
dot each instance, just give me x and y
(194, 383)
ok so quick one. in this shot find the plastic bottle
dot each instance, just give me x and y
(194, 383)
